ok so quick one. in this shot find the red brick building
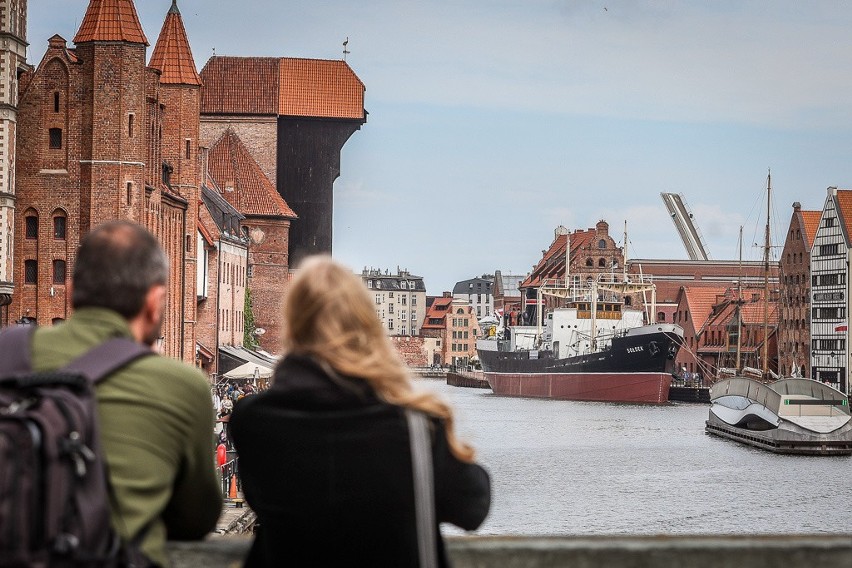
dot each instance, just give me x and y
(794, 325)
(453, 323)
(103, 136)
(695, 306)
(237, 177)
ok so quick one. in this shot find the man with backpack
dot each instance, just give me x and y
(153, 413)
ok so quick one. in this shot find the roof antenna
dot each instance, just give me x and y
(345, 51)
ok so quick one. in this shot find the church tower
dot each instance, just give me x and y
(180, 97)
(13, 51)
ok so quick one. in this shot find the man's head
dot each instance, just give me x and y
(120, 266)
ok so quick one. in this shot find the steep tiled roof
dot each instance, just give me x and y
(700, 301)
(241, 180)
(552, 263)
(281, 87)
(844, 206)
(438, 310)
(810, 224)
(172, 55)
(111, 20)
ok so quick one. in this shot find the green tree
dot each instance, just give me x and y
(249, 338)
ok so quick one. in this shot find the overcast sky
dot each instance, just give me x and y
(492, 122)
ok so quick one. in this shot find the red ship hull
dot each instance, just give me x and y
(648, 388)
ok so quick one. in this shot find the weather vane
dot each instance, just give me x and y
(345, 51)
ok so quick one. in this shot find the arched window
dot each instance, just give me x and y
(628, 301)
(60, 225)
(30, 271)
(602, 244)
(589, 262)
(59, 272)
(602, 262)
(31, 223)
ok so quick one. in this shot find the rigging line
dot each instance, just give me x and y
(699, 362)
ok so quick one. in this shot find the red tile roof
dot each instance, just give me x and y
(438, 310)
(552, 263)
(172, 54)
(844, 206)
(810, 224)
(111, 20)
(282, 87)
(241, 181)
(700, 301)
(320, 88)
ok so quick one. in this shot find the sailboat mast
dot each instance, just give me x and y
(624, 259)
(766, 247)
(740, 303)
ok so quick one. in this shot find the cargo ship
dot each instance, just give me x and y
(588, 350)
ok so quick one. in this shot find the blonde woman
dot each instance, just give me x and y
(324, 452)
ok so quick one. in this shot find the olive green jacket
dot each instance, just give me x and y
(156, 424)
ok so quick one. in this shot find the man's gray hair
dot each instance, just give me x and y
(117, 264)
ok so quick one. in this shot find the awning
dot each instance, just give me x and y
(249, 371)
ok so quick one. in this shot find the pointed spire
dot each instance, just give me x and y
(172, 55)
(111, 20)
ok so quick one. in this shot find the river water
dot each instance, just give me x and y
(584, 468)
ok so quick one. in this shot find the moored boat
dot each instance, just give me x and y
(589, 351)
(788, 416)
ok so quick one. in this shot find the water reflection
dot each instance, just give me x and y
(561, 467)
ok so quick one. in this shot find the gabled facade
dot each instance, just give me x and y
(400, 300)
(830, 258)
(794, 325)
(96, 130)
(695, 306)
(453, 323)
(13, 54)
(238, 179)
(507, 297)
(478, 292)
(593, 252)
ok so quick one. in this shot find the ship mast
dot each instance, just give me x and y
(739, 302)
(766, 247)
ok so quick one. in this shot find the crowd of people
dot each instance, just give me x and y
(225, 395)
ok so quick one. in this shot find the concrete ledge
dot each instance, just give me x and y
(740, 551)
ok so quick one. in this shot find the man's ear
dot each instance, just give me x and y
(155, 302)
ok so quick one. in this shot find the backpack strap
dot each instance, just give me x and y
(15, 349)
(108, 357)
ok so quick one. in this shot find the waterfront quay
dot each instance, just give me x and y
(734, 551)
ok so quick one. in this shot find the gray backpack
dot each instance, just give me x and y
(54, 492)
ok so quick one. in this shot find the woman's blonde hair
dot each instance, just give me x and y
(330, 316)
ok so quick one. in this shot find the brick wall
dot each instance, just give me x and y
(258, 133)
(269, 274)
(412, 350)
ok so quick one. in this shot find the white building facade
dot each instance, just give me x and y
(478, 293)
(400, 299)
(830, 258)
(13, 53)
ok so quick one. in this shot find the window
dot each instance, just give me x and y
(601, 244)
(56, 101)
(828, 222)
(661, 316)
(390, 308)
(403, 299)
(32, 227)
(59, 272)
(390, 324)
(30, 271)
(188, 149)
(129, 193)
(589, 262)
(825, 250)
(131, 119)
(55, 135)
(59, 227)
(602, 263)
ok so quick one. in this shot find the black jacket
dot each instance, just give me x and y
(326, 466)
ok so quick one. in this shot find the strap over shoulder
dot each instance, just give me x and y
(108, 357)
(15, 348)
